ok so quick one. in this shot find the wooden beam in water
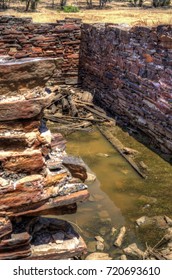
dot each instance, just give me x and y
(120, 148)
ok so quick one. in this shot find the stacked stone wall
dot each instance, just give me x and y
(129, 71)
(21, 38)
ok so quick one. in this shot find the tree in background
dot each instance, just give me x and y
(30, 4)
(160, 3)
(136, 3)
(63, 3)
(102, 3)
(4, 4)
(155, 3)
(89, 4)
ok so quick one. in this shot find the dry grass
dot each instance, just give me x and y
(113, 13)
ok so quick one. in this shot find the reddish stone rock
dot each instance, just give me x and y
(21, 126)
(74, 56)
(36, 50)
(5, 227)
(16, 108)
(25, 73)
(27, 161)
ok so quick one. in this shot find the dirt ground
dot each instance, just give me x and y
(114, 12)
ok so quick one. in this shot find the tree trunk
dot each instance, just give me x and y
(27, 5)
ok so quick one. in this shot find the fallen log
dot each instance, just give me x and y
(120, 148)
(83, 104)
(57, 119)
(69, 119)
(98, 113)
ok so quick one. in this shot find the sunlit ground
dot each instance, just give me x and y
(113, 13)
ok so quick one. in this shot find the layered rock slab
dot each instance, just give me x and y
(15, 107)
(33, 177)
(41, 238)
(31, 72)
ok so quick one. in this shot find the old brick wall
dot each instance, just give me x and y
(21, 38)
(129, 71)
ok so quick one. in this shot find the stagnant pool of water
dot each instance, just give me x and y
(119, 195)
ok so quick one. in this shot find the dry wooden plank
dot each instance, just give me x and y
(69, 118)
(57, 119)
(96, 112)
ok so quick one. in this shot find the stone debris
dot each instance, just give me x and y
(76, 166)
(161, 250)
(90, 177)
(71, 113)
(158, 221)
(133, 251)
(98, 256)
(141, 220)
(113, 231)
(100, 246)
(168, 220)
(99, 238)
(100, 243)
(168, 235)
(123, 257)
(119, 240)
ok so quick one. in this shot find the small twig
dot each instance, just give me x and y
(156, 245)
(76, 226)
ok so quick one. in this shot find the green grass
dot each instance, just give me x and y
(71, 9)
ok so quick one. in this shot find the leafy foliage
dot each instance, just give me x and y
(70, 9)
(161, 3)
(155, 3)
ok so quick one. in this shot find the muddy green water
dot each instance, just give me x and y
(119, 195)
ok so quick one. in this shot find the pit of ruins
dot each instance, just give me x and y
(78, 76)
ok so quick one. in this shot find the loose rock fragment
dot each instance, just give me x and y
(123, 257)
(120, 237)
(98, 256)
(99, 238)
(133, 251)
